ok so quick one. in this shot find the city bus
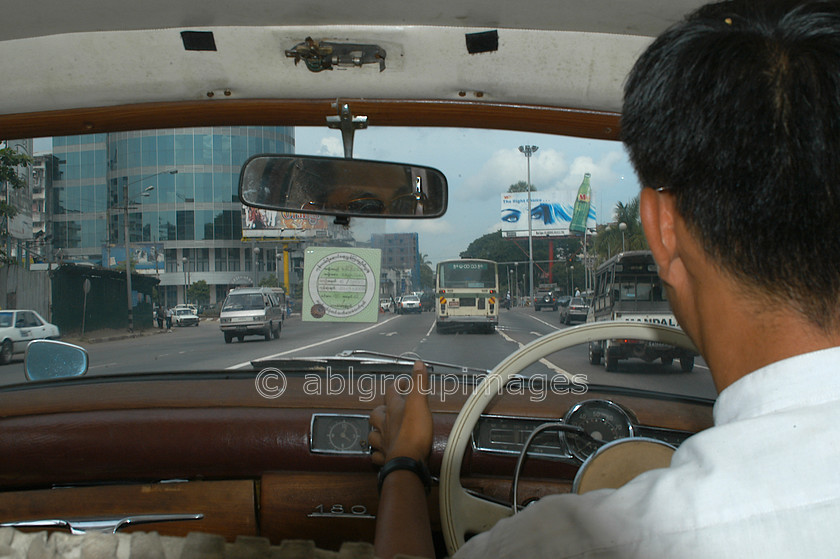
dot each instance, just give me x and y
(467, 295)
(628, 288)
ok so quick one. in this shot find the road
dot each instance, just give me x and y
(203, 348)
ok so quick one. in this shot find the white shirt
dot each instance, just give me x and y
(763, 482)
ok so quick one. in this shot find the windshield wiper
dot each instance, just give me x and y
(412, 357)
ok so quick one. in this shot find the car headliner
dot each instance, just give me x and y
(89, 53)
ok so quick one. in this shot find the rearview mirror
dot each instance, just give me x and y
(50, 359)
(342, 187)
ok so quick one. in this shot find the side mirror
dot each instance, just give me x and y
(50, 359)
(342, 187)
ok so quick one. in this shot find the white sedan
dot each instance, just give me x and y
(184, 317)
(18, 328)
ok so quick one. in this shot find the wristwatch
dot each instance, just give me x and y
(406, 463)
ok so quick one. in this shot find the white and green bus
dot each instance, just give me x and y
(467, 295)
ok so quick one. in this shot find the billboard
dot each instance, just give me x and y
(145, 256)
(258, 223)
(549, 216)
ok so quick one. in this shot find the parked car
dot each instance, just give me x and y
(385, 305)
(575, 309)
(184, 316)
(18, 328)
(545, 300)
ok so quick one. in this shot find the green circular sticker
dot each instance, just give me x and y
(343, 284)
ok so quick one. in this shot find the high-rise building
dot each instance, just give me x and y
(400, 262)
(178, 189)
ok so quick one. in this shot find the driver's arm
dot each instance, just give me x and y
(403, 428)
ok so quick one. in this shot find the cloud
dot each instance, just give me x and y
(425, 226)
(331, 147)
(508, 166)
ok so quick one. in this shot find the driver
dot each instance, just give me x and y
(732, 121)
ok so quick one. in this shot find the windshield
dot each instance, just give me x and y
(191, 241)
(243, 302)
(6, 319)
(466, 274)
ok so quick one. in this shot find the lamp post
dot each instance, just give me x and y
(184, 264)
(126, 205)
(572, 280)
(256, 266)
(529, 151)
(622, 227)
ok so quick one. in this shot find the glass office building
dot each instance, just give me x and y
(178, 189)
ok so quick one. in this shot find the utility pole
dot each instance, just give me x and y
(529, 151)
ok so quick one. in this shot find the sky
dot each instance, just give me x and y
(480, 165)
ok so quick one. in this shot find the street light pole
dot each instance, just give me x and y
(128, 253)
(256, 266)
(622, 227)
(184, 263)
(529, 151)
(126, 204)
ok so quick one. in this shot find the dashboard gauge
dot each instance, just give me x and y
(343, 435)
(602, 420)
(339, 434)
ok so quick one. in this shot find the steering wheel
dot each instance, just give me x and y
(462, 513)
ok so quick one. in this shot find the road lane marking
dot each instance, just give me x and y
(316, 344)
(102, 365)
(553, 327)
(432, 327)
(551, 366)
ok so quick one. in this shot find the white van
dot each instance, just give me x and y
(251, 311)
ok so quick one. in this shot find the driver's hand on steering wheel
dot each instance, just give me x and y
(403, 426)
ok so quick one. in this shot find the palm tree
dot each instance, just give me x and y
(609, 240)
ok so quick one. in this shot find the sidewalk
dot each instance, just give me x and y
(110, 335)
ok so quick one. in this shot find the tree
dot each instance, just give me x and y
(427, 274)
(10, 163)
(608, 240)
(199, 292)
(269, 281)
(521, 186)
(493, 246)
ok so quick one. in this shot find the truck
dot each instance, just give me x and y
(628, 289)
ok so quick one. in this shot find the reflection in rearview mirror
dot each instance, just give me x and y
(50, 359)
(342, 187)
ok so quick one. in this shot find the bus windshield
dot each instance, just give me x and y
(471, 274)
(640, 288)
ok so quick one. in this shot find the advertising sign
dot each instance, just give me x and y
(144, 256)
(258, 223)
(549, 217)
(341, 284)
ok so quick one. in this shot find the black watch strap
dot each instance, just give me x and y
(406, 463)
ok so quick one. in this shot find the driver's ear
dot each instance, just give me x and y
(658, 213)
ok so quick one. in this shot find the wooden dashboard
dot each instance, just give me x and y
(210, 444)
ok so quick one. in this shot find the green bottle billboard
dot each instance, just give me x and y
(581, 211)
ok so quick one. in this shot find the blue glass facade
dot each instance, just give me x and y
(195, 214)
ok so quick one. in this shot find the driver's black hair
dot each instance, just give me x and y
(737, 111)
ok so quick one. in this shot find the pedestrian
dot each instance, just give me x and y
(577, 292)
(167, 313)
